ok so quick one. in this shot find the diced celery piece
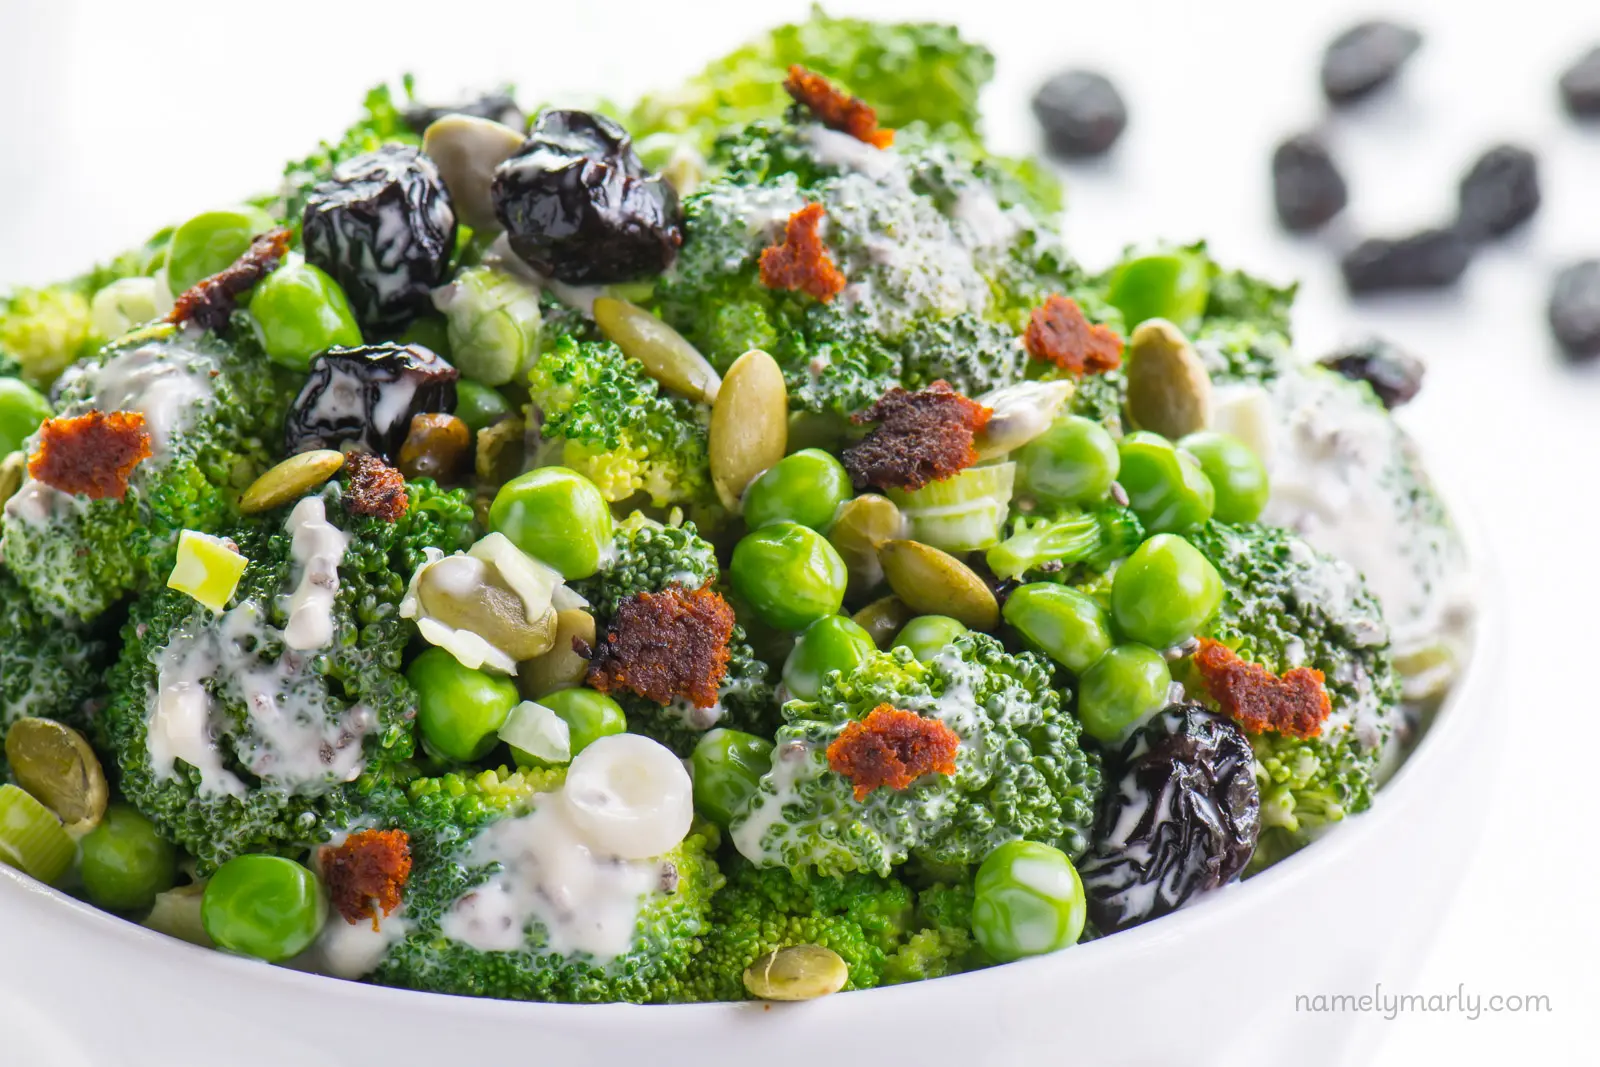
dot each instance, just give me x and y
(960, 513)
(208, 569)
(538, 731)
(31, 838)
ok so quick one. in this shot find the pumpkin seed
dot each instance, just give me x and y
(465, 593)
(932, 582)
(883, 618)
(863, 524)
(466, 149)
(290, 480)
(749, 425)
(560, 667)
(435, 447)
(666, 356)
(56, 765)
(502, 452)
(799, 972)
(12, 470)
(1169, 391)
(1021, 412)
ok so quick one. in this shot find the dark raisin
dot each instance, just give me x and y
(498, 105)
(367, 396)
(1365, 57)
(1306, 186)
(1081, 113)
(578, 206)
(1580, 86)
(1427, 259)
(1575, 309)
(1394, 375)
(1499, 193)
(1182, 820)
(384, 228)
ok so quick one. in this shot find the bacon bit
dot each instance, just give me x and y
(921, 437)
(92, 455)
(1058, 333)
(801, 261)
(835, 108)
(893, 748)
(666, 646)
(366, 873)
(211, 300)
(1295, 705)
(374, 488)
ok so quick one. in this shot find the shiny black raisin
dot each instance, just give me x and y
(382, 225)
(1427, 259)
(1081, 113)
(1394, 375)
(498, 106)
(1182, 819)
(578, 206)
(1307, 188)
(1580, 86)
(367, 396)
(1575, 310)
(1365, 57)
(1499, 192)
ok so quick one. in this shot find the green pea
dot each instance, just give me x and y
(459, 709)
(1235, 472)
(806, 487)
(789, 574)
(1125, 687)
(431, 332)
(832, 643)
(263, 906)
(1073, 462)
(556, 516)
(1166, 488)
(211, 242)
(478, 405)
(1027, 900)
(728, 767)
(1066, 625)
(589, 715)
(300, 313)
(22, 409)
(928, 635)
(1172, 285)
(124, 863)
(1165, 592)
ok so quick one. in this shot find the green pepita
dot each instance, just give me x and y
(1169, 391)
(864, 523)
(883, 618)
(55, 764)
(749, 425)
(932, 582)
(13, 470)
(666, 356)
(561, 667)
(290, 480)
(799, 972)
(469, 594)
(501, 452)
(466, 149)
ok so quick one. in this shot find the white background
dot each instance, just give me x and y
(125, 116)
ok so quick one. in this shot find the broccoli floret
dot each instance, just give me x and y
(443, 816)
(230, 741)
(943, 942)
(47, 670)
(604, 417)
(1020, 772)
(647, 557)
(382, 122)
(1043, 547)
(1286, 605)
(45, 330)
(208, 407)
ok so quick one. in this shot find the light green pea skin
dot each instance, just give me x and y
(210, 242)
(494, 324)
(1073, 462)
(1066, 625)
(268, 907)
(789, 574)
(834, 643)
(1027, 900)
(22, 409)
(478, 405)
(928, 635)
(299, 313)
(805, 487)
(1165, 592)
(1123, 689)
(124, 863)
(1173, 285)
(1236, 473)
(124, 304)
(459, 709)
(558, 517)
(728, 767)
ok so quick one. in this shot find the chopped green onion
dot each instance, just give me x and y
(32, 839)
(962, 512)
(208, 569)
(538, 731)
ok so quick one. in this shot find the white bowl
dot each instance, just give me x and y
(1213, 984)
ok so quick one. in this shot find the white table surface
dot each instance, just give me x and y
(123, 116)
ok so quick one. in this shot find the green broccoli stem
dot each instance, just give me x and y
(1097, 539)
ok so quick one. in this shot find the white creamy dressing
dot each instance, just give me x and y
(353, 950)
(579, 298)
(832, 148)
(180, 718)
(980, 218)
(793, 763)
(317, 547)
(163, 384)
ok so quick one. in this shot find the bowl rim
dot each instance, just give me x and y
(1475, 686)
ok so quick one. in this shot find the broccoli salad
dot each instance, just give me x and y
(717, 548)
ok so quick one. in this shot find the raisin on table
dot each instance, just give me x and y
(367, 396)
(383, 227)
(577, 204)
(1081, 113)
(1580, 86)
(1427, 259)
(1307, 188)
(1366, 57)
(1499, 192)
(1575, 310)
(1182, 820)
(1394, 375)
